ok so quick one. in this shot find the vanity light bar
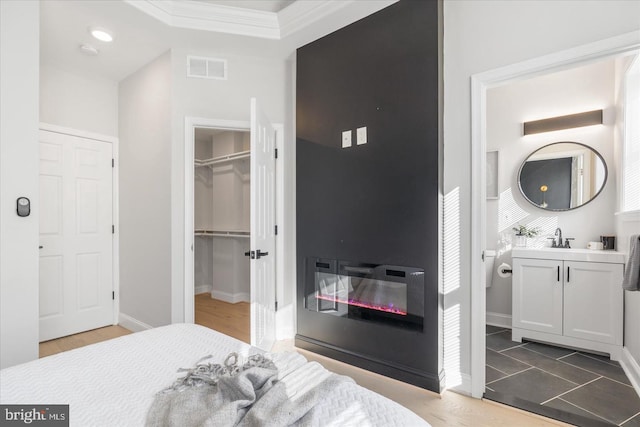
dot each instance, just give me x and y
(588, 118)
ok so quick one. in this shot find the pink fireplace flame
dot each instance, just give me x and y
(386, 308)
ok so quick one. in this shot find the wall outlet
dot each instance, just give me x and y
(346, 139)
(361, 135)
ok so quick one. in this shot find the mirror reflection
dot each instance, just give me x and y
(562, 176)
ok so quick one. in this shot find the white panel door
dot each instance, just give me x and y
(76, 282)
(263, 294)
(593, 301)
(537, 295)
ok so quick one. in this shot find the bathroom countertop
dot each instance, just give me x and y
(587, 255)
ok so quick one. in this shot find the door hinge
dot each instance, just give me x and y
(276, 305)
(113, 163)
(113, 295)
(113, 229)
(276, 153)
(276, 230)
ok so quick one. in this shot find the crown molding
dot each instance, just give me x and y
(301, 14)
(210, 17)
(234, 20)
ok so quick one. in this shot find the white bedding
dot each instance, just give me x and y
(113, 383)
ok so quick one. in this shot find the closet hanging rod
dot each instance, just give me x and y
(223, 159)
(222, 233)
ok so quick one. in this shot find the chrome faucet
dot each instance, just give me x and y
(559, 234)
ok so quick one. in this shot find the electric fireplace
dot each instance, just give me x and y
(386, 294)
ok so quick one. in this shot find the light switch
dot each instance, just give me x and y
(346, 139)
(361, 135)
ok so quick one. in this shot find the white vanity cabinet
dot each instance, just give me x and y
(537, 295)
(569, 297)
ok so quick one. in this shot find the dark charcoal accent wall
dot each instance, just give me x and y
(374, 203)
(555, 174)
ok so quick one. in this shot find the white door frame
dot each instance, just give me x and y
(190, 124)
(566, 59)
(115, 207)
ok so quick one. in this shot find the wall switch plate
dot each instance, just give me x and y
(346, 139)
(361, 135)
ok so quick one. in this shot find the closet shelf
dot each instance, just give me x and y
(223, 159)
(222, 233)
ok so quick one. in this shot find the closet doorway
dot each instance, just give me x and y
(230, 175)
(222, 183)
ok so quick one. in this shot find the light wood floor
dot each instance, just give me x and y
(47, 348)
(230, 319)
(448, 409)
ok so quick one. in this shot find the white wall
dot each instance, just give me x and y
(481, 36)
(572, 91)
(82, 102)
(145, 193)
(627, 224)
(19, 62)
(287, 171)
(229, 99)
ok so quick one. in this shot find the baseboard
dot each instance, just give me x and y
(458, 382)
(231, 298)
(427, 380)
(498, 319)
(202, 289)
(631, 368)
(132, 324)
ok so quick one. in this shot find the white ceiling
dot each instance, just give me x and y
(64, 26)
(264, 5)
(140, 37)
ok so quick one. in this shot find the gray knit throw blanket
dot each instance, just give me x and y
(264, 390)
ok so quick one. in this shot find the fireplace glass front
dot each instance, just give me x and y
(386, 294)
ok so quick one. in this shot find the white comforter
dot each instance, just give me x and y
(113, 383)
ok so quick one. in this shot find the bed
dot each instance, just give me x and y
(114, 383)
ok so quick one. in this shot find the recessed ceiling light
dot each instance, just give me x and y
(101, 34)
(88, 50)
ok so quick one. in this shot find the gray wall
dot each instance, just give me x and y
(229, 99)
(19, 62)
(145, 197)
(83, 102)
(481, 36)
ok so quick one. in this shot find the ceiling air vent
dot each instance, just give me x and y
(206, 68)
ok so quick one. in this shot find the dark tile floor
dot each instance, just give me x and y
(577, 387)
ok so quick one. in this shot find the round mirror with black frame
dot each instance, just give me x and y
(562, 176)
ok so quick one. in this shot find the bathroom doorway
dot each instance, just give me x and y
(534, 376)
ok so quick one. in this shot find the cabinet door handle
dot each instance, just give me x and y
(568, 274)
(558, 279)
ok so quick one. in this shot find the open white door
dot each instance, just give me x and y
(263, 294)
(76, 278)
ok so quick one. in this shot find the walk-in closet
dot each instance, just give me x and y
(222, 215)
